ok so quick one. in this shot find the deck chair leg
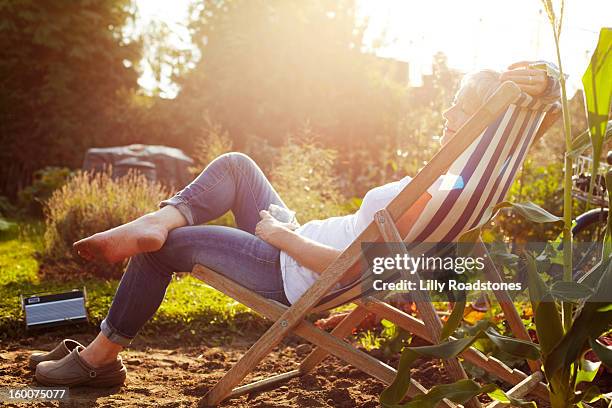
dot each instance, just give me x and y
(342, 330)
(510, 313)
(425, 308)
(286, 322)
(273, 310)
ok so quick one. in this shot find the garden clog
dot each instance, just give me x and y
(72, 371)
(60, 351)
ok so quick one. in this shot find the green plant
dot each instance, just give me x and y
(541, 185)
(556, 23)
(214, 142)
(87, 204)
(562, 352)
(6, 225)
(563, 337)
(598, 96)
(303, 176)
(46, 181)
(63, 76)
(561, 348)
(5, 209)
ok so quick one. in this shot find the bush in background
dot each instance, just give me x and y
(304, 178)
(6, 209)
(32, 198)
(87, 204)
(214, 142)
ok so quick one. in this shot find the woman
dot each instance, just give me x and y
(269, 257)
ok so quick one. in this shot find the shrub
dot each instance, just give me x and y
(46, 181)
(304, 178)
(6, 209)
(87, 204)
(214, 143)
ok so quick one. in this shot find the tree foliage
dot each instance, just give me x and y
(268, 67)
(64, 69)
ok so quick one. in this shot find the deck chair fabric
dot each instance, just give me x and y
(478, 180)
(486, 155)
(486, 171)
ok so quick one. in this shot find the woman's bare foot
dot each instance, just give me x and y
(145, 234)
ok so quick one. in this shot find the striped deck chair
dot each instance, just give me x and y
(486, 153)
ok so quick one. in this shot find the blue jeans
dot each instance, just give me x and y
(230, 182)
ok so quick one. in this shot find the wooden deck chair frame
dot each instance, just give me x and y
(291, 319)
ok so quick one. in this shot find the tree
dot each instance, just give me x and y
(65, 71)
(269, 67)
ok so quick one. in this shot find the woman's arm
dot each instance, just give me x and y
(308, 253)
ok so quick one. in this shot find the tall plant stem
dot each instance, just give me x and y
(567, 191)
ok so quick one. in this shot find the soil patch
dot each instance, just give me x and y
(166, 371)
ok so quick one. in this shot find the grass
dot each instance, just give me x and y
(188, 305)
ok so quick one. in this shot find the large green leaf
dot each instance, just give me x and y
(500, 395)
(454, 320)
(598, 93)
(460, 392)
(547, 317)
(607, 246)
(447, 349)
(528, 210)
(535, 213)
(583, 141)
(603, 352)
(394, 393)
(592, 320)
(398, 388)
(515, 347)
(570, 291)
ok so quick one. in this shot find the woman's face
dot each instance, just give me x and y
(455, 118)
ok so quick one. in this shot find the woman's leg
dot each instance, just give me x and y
(230, 182)
(234, 253)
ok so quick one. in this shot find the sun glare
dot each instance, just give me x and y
(484, 33)
(472, 34)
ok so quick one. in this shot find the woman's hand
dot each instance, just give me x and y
(530, 80)
(270, 229)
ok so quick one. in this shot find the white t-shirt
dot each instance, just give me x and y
(336, 232)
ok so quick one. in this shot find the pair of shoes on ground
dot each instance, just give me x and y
(63, 366)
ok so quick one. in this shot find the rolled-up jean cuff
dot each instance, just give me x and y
(113, 335)
(184, 208)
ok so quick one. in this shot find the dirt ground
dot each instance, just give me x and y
(170, 375)
(167, 370)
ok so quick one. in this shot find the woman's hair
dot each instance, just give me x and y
(475, 88)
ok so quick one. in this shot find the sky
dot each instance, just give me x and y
(474, 34)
